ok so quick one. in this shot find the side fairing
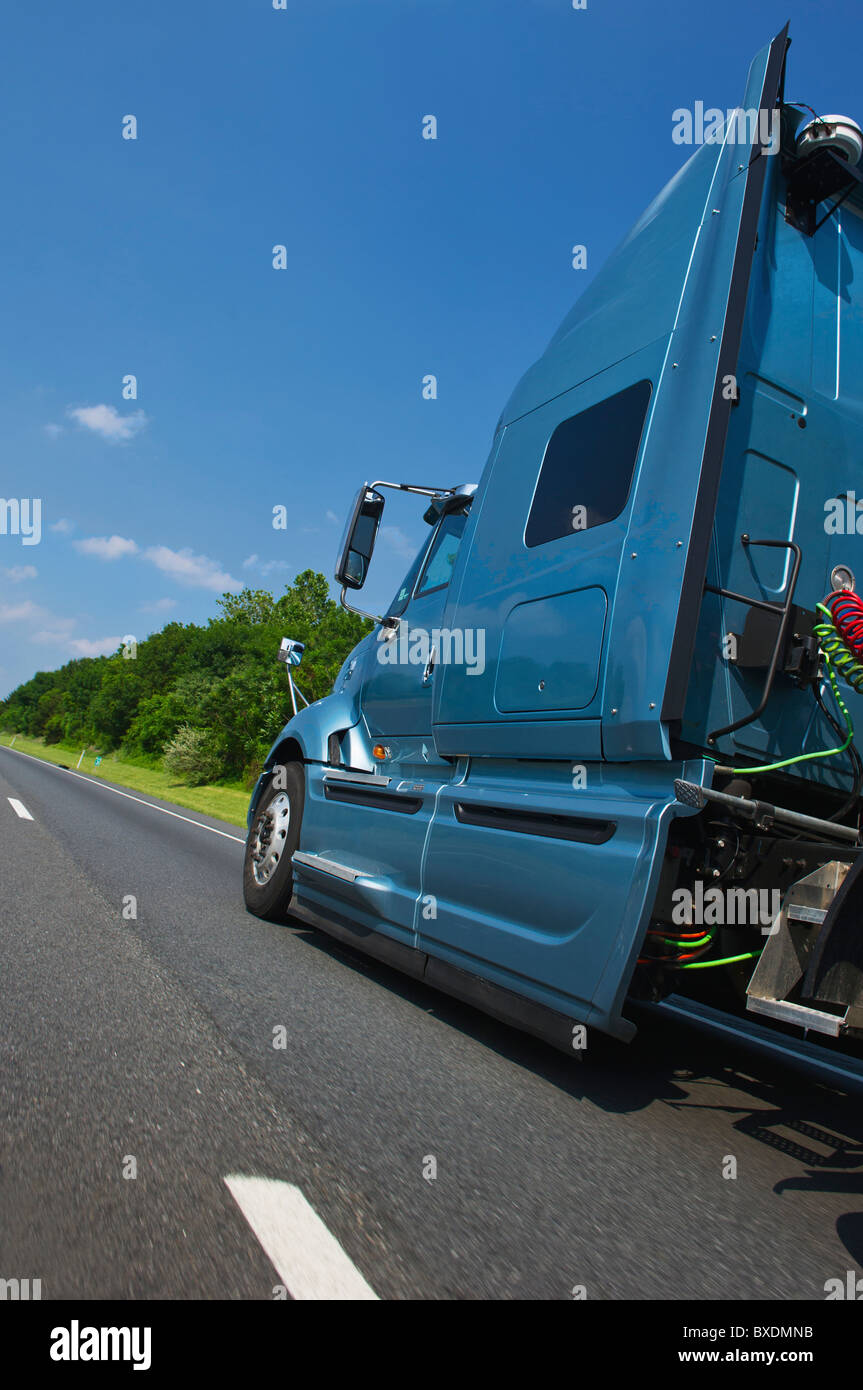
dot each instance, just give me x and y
(792, 472)
(667, 309)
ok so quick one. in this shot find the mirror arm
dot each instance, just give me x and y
(361, 613)
(412, 487)
(439, 492)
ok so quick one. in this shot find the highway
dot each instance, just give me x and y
(145, 1044)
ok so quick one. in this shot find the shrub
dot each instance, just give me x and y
(251, 772)
(191, 757)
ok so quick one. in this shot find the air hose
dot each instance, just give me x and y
(840, 637)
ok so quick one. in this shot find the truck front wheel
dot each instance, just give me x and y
(273, 837)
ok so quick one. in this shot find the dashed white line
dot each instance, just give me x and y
(309, 1260)
(240, 840)
(19, 808)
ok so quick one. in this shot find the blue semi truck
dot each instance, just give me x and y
(600, 748)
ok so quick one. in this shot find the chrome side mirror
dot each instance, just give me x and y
(358, 541)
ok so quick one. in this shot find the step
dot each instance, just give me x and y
(327, 866)
(813, 1020)
(797, 913)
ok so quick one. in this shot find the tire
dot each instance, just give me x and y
(273, 837)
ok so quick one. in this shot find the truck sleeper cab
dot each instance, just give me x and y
(597, 747)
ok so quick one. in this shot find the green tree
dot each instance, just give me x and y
(222, 681)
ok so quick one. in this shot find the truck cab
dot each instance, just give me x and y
(598, 722)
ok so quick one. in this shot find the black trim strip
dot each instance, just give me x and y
(698, 555)
(358, 794)
(549, 824)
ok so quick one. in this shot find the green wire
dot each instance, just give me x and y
(727, 960)
(825, 631)
(688, 945)
(823, 753)
(835, 646)
(830, 643)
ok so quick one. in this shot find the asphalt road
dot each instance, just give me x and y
(151, 1039)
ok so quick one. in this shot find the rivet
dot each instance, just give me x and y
(653, 704)
(635, 554)
(713, 337)
(715, 212)
(678, 544)
(614, 711)
(674, 364)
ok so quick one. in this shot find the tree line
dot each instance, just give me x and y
(203, 702)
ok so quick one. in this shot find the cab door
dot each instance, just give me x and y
(396, 697)
(364, 835)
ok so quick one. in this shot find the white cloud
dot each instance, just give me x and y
(395, 538)
(62, 525)
(20, 612)
(51, 629)
(94, 646)
(331, 516)
(198, 571)
(106, 547)
(20, 572)
(52, 431)
(53, 636)
(265, 567)
(159, 605)
(106, 421)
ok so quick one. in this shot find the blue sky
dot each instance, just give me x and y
(260, 387)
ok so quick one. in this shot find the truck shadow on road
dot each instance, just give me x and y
(817, 1130)
(661, 1064)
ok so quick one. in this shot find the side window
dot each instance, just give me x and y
(587, 470)
(400, 602)
(444, 549)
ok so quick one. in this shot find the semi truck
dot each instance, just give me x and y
(599, 750)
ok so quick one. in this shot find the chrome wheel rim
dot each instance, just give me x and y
(271, 833)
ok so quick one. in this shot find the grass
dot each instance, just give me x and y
(228, 803)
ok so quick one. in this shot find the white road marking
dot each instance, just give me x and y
(19, 808)
(309, 1260)
(95, 783)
